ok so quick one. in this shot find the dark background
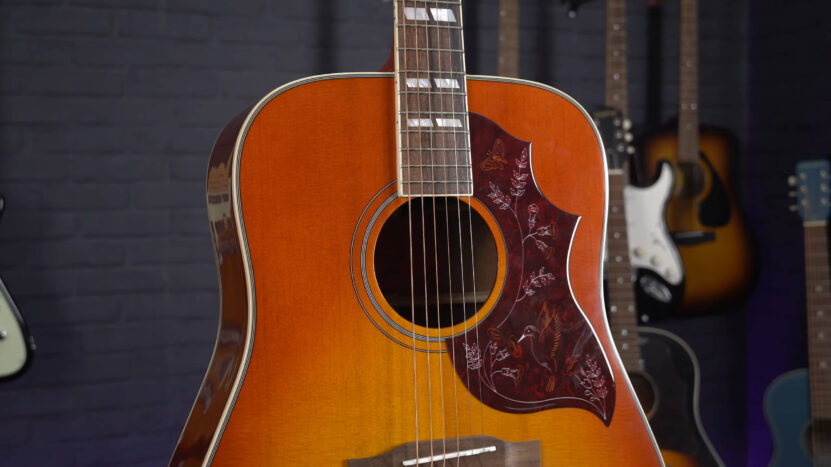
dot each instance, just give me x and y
(109, 108)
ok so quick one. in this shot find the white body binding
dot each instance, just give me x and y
(650, 245)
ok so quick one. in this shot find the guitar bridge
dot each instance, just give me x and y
(469, 451)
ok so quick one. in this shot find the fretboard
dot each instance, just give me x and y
(623, 319)
(508, 51)
(616, 79)
(818, 298)
(688, 86)
(433, 138)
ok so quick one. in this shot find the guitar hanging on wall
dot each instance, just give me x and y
(16, 345)
(660, 274)
(703, 215)
(661, 366)
(406, 280)
(797, 403)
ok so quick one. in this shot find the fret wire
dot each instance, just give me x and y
(437, 165)
(428, 49)
(433, 93)
(426, 25)
(427, 3)
(432, 71)
(431, 112)
(434, 131)
(460, 182)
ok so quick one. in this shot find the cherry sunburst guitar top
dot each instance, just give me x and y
(410, 273)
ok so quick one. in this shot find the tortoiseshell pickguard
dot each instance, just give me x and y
(536, 350)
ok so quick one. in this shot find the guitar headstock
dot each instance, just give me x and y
(812, 194)
(616, 132)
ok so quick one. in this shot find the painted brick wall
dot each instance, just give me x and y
(108, 109)
(789, 121)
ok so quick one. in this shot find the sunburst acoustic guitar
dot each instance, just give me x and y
(410, 274)
(661, 366)
(798, 403)
(703, 213)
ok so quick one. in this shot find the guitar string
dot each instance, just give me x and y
(455, 136)
(401, 122)
(435, 248)
(469, 163)
(447, 240)
(424, 235)
(423, 229)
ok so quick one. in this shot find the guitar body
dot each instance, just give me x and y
(659, 288)
(308, 369)
(706, 222)
(668, 390)
(15, 343)
(789, 416)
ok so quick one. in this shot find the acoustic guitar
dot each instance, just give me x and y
(410, 273)
(703, 213)
(661, 366)
(16, 344)
(797, 403)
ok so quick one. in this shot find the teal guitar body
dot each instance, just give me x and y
(789, 415)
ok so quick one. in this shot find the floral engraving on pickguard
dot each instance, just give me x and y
(594, 382)
(539, 350)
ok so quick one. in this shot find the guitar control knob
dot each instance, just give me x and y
(3, 333)
(639, 252)
(655, 261)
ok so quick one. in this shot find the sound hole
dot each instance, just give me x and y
(645, 392)
(443, 291)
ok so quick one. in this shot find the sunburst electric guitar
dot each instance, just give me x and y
(410, 272)
(661, 366)
(798, 403)
(703, 213)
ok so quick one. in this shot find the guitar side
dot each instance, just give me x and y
(788, 414)
(320, 383)
(729, 245)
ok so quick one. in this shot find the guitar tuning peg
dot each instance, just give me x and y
(628, 137)
(792, 180)
(792, 193)
(630, 149)
(793, 207)
(627, 124)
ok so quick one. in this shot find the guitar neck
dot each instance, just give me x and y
(508, 52)
(433, 156)
(623, 319)
(616, 76)
(688, 86)
(818, 299)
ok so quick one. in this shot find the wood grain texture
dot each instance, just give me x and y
(323, 384)
(722, 272)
